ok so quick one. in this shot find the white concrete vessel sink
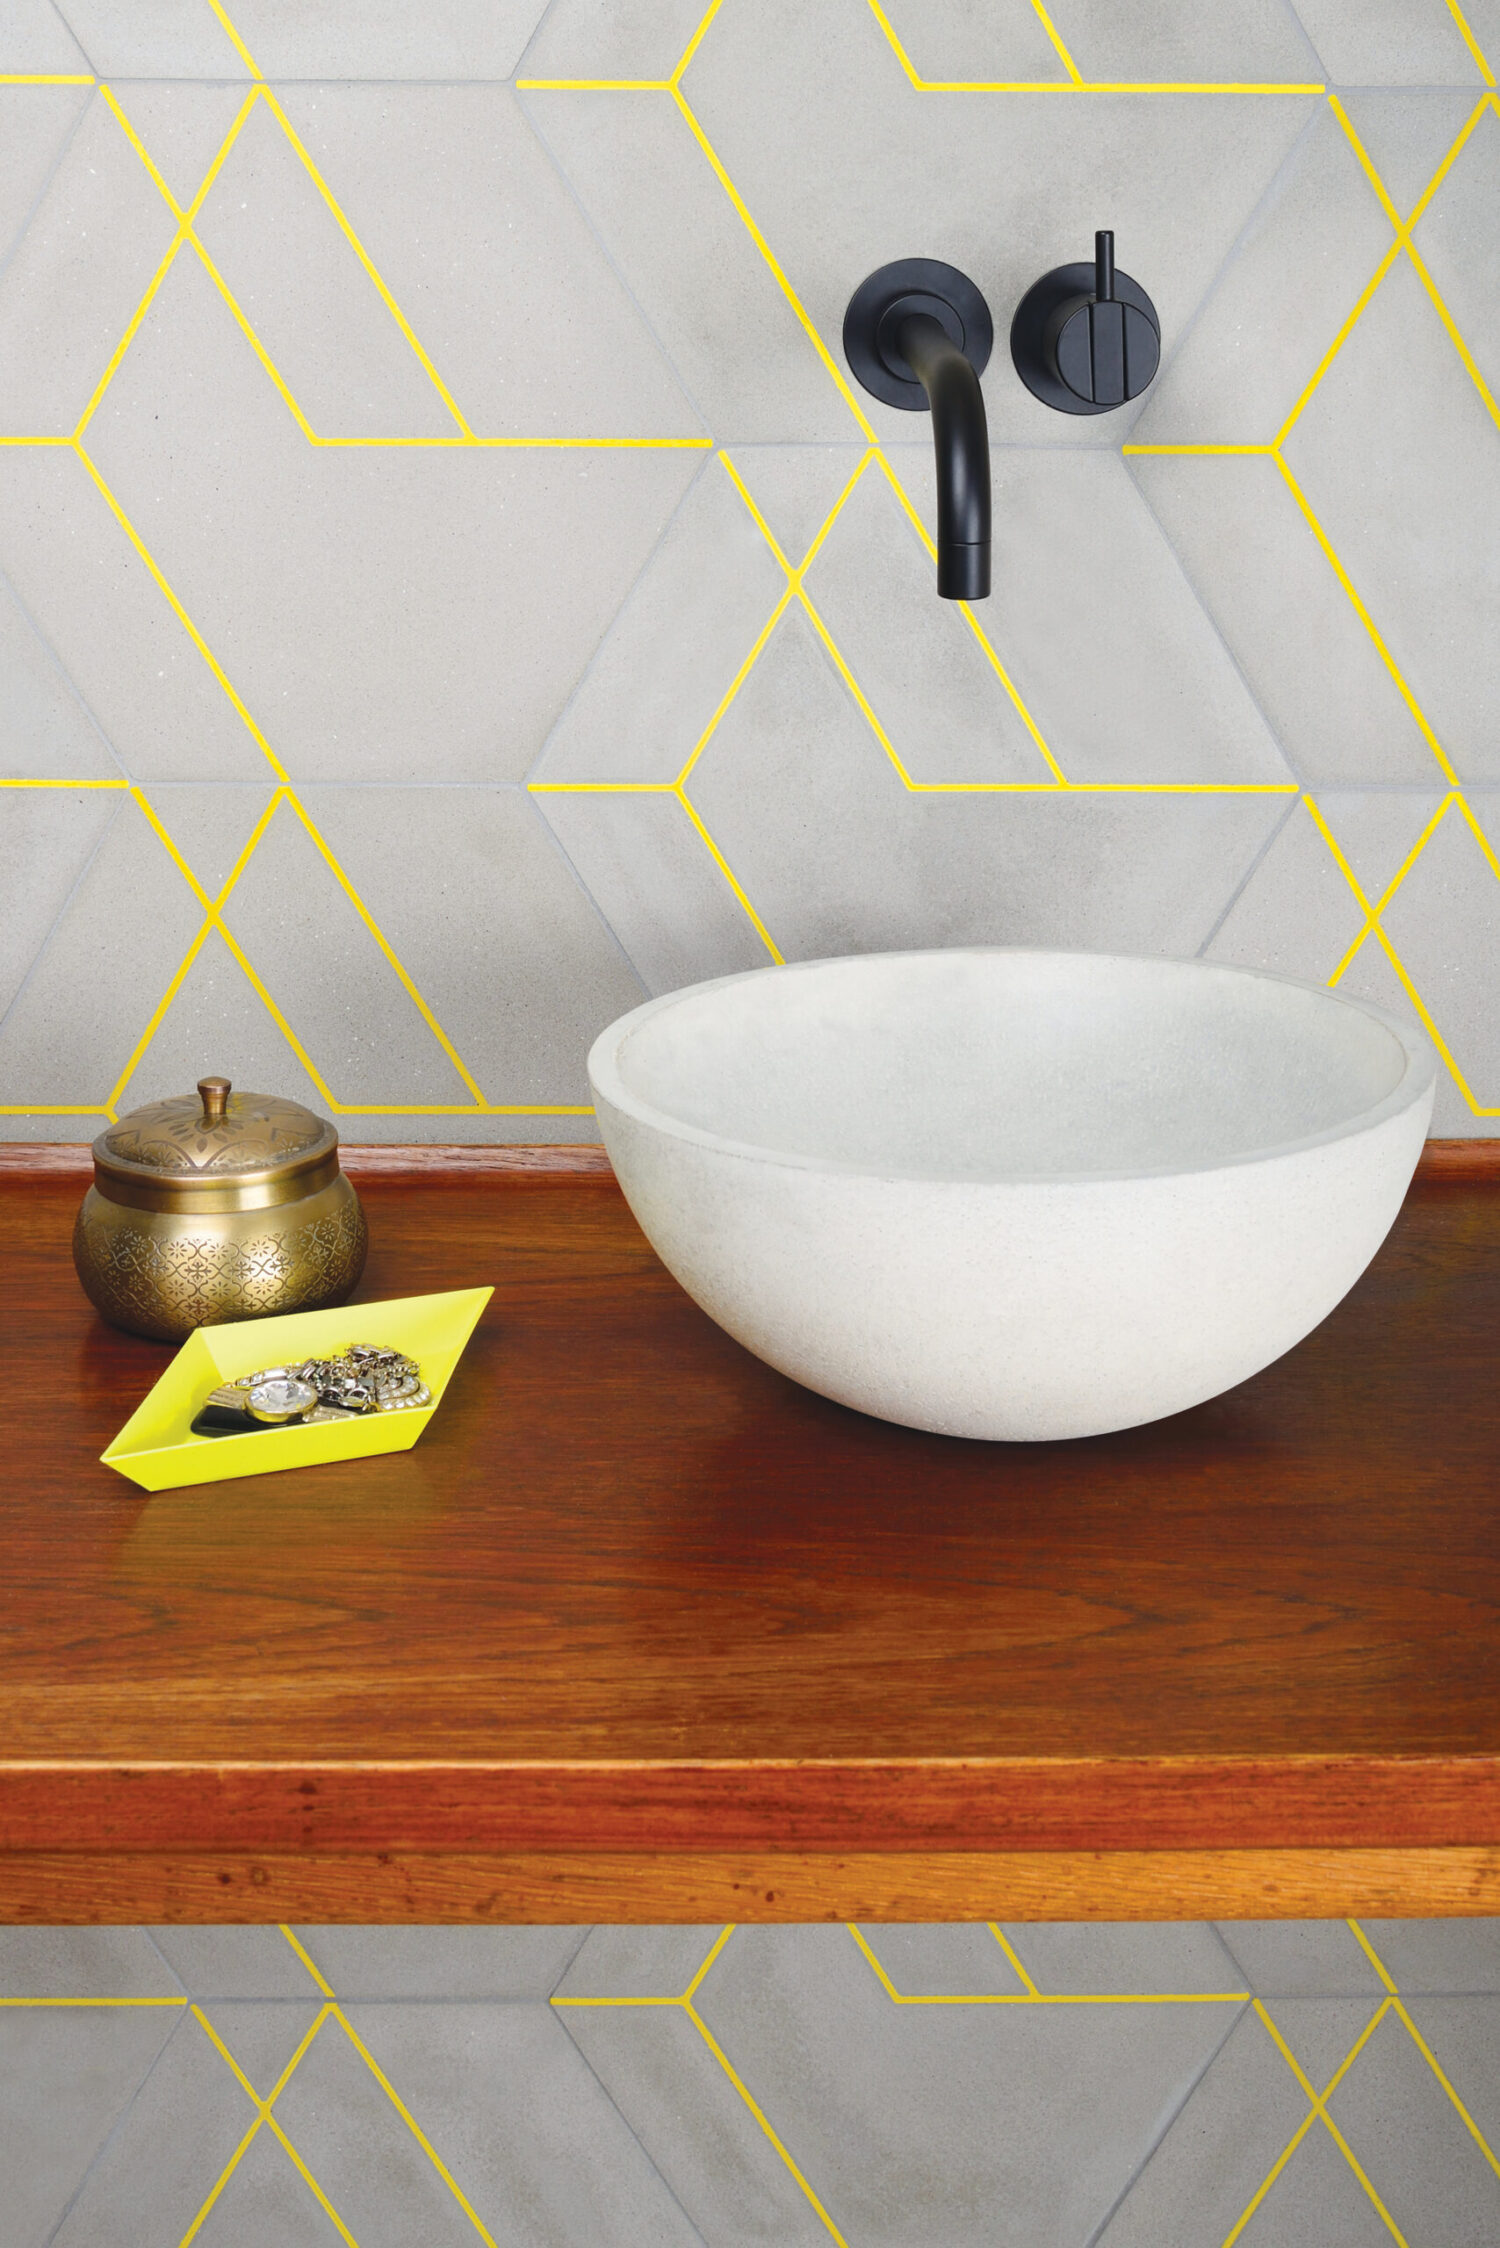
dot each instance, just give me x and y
(1009, 1193)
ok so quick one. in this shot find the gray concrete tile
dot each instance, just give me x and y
(263, 2034)
(1396, 453)
(1141, 688)
(376, 607)
(1317, 2202)
(267, 2203)
(527, 323)
(337, 990)
(795, 488)
(219, 1963)
(33, 37)
(508, 2105)
(387, 38)
(131, 660)
(1002, 186)
(1406, 135)
(955, 1959)
(1414, 2147)
(1246, 548)
(644, 1962)
(1173, 40)
(973, 40)
(72, 284)
(1301, 1958)
(300, 284)
(1217, 2148)
(934, 689)
(154, 39)
(489, 920)
(701, 2136)
(471, 1963)
(1166, 1957)
(35, 125)
(48, 733)
(837, 856)
(182, 123)
(1296, 914)
(1322, 2032)
(651, 875)
(47, 838)
(1454, 238)
(1295, 276)
(952, 2123)
(673, 651)
(1444, 922)
(1438, 1955)
(88, 998)
(600, 39)
(67, 2075)
(83, 1963)
(166, 2154)
(691, 266)
(1388, 42)
(218, 1025)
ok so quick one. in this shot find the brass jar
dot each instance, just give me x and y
(228, 1206)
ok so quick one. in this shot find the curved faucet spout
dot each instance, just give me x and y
(960, 437)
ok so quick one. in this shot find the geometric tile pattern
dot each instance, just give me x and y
(1062, 2086)
(437, 517)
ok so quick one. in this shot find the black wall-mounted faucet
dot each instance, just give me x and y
(918, 335)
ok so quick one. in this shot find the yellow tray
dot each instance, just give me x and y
(157, 1448)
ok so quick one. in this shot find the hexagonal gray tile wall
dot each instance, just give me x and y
(440, 542)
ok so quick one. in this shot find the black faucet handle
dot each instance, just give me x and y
(1086, 338)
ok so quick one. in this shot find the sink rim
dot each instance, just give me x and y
(1419, 1070)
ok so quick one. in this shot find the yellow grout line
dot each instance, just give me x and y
(180, 2000)
(695, 42)
(1442, 171)
(366, 261)
(378, 934)
(1061, 51)
(1366, 620)
(729, 875)
(734, 685)
(263, 2115)
(1466, 356)
(1317, 2112)
(182, 616)
(1335, 347)
(717, 1946)
(764, 248)
(761, 2118)
(120, 783)
(307, 1959)
(414, 2127)
(1420, 2041)
(1013, 1956)
(244, 52)
(45, 78)
(261, 353)
(1471, 43)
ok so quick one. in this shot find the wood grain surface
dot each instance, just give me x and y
(638, 1622)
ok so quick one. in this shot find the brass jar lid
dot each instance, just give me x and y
(221, 1150)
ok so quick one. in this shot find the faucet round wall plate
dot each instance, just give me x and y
(894, 293)
(1008, 1193)
(1049, 338)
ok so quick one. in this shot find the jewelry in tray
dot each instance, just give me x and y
(358, 1380)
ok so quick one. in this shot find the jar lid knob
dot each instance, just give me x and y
(214, 1094)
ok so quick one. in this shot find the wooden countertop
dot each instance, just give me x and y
(641, 1630)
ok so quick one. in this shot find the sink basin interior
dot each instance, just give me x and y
(995, 1064)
